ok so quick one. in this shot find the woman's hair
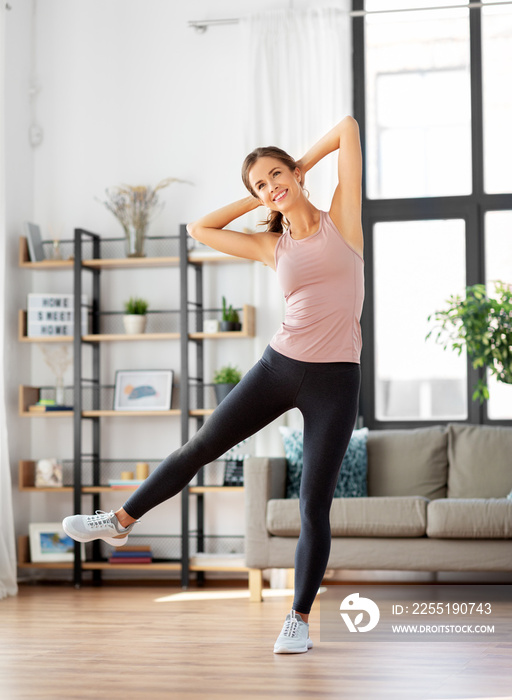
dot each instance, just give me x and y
(275, 221)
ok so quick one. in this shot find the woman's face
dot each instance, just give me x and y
(274, 183)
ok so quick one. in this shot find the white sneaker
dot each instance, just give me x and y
(102, 526)
(294, 637)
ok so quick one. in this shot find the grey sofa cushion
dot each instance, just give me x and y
(470, 518)
(480, 459)
(356, 517)
(408, 462)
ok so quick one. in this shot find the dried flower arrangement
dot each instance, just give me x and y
(133, 207)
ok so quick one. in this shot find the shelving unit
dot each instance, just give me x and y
(194, 305)
(89, 401)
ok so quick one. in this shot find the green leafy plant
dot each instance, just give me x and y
(227, 375)
(229, 314)
(135, 306)
(485, 326)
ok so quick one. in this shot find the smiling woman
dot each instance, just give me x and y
(311, 363)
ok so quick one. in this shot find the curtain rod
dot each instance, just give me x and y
(201, 25)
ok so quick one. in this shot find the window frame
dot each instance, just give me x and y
(472, 208)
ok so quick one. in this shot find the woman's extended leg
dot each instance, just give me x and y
(266, 391)
(329, 401)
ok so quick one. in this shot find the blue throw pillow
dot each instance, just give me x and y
(352, 477)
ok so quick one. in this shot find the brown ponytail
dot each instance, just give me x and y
(275, 221)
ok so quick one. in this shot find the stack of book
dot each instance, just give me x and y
(132, 554)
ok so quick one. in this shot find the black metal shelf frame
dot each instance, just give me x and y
(91, 244)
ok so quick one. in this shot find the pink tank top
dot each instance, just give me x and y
(322, 278)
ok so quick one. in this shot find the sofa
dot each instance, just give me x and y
(437, 501)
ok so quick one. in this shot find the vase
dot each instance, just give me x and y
(134, 237)
(134, 324)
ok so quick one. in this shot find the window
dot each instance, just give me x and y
(497, 97)
(498, 266)
(433, 98)
(418, 104)
(418, 264)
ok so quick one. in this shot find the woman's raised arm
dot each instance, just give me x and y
(209, 229)
(345, 208)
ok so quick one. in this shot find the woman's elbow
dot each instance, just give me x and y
(192, 230)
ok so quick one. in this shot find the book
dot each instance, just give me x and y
(37, 408)
(134, 548)
(129, 560)
(131, 554)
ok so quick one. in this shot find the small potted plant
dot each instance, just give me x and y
(135, 315)
(225, 379)
(230, 318)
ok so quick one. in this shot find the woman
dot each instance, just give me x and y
(311, 363)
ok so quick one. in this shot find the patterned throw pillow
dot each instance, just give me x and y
(352, 477)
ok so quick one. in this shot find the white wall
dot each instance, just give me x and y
(128, 93)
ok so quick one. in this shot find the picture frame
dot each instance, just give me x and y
(143, 389)
(34, 241)
(49, 543)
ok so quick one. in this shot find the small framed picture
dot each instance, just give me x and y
(143, 390)
(34, 241)
(49, 543)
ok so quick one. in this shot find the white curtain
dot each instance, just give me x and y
(299, 83)
(298, 79)
(8, 584)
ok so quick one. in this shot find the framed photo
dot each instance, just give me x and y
(34, 241)
(49, 543)
(143, 390)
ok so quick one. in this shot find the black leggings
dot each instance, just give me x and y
(327, 394)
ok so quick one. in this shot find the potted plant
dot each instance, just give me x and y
(485, 326)
(225, 379)
(230, 318)
(135, 315)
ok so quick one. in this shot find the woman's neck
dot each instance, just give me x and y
(304, 219)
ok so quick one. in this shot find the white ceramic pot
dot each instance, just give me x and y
(134, 324)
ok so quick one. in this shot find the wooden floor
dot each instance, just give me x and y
(151, 643)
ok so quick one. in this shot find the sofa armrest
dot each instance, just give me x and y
(264, 478)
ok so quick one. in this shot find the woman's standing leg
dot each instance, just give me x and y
(329, 401)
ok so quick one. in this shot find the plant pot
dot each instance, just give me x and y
(230, 326)
(134, 324)
(222, 390)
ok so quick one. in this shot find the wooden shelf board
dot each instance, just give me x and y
(217, 258)
(219, 335)
(156, 566)
(207, 489)
(196, 412)
(206, 567)
(47, 339)
(46, 565)
(109, 489)
(48, 489)
(24, 260)
(46, 414)
(123, 337)
(127, 414)
(130, 263)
